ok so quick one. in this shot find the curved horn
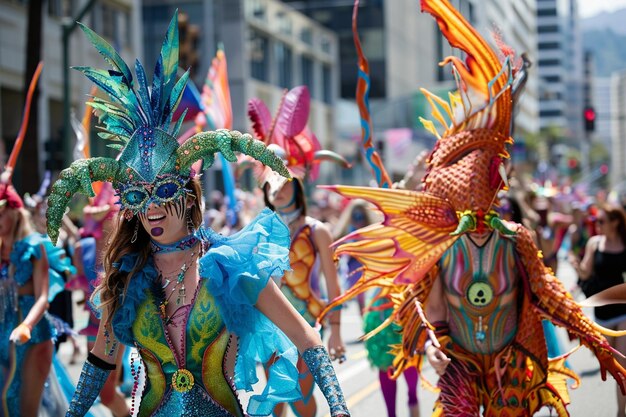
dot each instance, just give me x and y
(497, 224)
(325, 155)
(78, 178)
(467, 222)
(204, 145)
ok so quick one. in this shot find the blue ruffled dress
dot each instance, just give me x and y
(12, 356)
(233, 272)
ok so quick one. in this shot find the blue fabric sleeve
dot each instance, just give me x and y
(30, 247)
(237, 269)
(124, 317)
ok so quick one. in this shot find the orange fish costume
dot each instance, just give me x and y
(499, 289)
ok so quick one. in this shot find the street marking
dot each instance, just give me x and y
(360, 395)
(358, 355)
(352, 371)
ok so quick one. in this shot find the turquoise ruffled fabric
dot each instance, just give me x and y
(29, 247)
(126, 313)
(238, 269)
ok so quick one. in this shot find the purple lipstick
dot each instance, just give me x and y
(156, 231)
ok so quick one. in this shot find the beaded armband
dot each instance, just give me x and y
(318, 362)
(92, 378)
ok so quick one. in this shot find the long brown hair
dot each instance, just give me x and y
(115, 282)
(616, 213)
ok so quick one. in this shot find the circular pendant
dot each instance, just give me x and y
(480, 294)
(182, 380)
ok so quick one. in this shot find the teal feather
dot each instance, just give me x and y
(143, 92)
(175, 97)
(111, 109)
(155, 95)
(110, 84)
(109, 54)
(176, 129)
(109, 136)
(169, 61)
(118, 124)
(115, 127)
(115, 146)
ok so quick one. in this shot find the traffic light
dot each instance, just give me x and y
(604, 169)
(189, 38)
(572, 163)
(590, 119)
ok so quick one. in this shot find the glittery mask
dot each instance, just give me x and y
(166, 189)
(152, 166)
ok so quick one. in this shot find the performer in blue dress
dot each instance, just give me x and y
(201, 308)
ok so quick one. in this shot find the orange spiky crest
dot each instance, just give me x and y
(466, 165)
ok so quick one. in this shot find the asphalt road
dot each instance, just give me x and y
(594, 398)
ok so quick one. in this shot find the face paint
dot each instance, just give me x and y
(156, 231)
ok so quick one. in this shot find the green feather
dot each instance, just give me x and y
(169, 53)
(109, 54)
(175, 97)
(176, 129)
(143, 92)
(155, 94)
(117, 91)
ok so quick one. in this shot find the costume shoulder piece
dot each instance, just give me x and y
(238, 268)
(30, 247)
(139, 122)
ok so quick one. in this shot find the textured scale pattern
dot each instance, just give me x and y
(401, 255)
(89, 385)
(318, 362)
(296, 284)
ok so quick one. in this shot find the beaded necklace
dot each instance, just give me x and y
(183, 244)
(178, 287)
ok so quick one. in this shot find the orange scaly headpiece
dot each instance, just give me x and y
(466, 167)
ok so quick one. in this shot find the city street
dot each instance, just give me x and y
(360, 382)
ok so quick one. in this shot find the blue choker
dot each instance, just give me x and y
(185, 243)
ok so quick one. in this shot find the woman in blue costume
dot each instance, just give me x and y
(30, 277)
(191, 301)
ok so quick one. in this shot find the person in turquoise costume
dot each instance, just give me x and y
(31, 271)
(30, 277)
(201, 309)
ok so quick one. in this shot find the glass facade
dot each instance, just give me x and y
(258, 55)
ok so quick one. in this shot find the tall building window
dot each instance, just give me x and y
(306, 66)
(550, 113)
(258, 50)
(306, 36)
(327, 85)
(283, 61)
(546, 12)
(284, 23)
(548, 29)
(109, 23)
(258, 9)
(549, 45)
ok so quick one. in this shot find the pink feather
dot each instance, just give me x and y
(294, 113)
(261, 118)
